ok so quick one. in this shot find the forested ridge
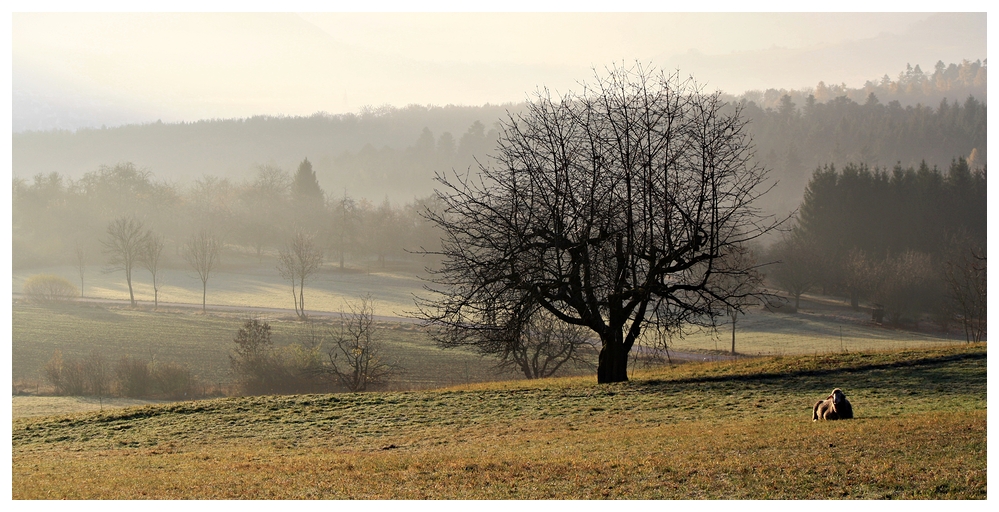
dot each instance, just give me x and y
(394, 152)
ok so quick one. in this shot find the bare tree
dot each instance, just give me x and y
(298, 260)
(81, 263)
(152, 250)
(608, 209)
(740, 279)
(202, 252)
(123, 246)
(904, 285)
(356, 359)
(344, 221)
(967, 284)
(794, 266)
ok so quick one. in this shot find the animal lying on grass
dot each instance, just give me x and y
(834, 407)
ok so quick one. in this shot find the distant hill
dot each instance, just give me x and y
(394, 152)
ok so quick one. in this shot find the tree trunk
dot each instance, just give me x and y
(734, 314)
(612, 365)
(131, 296)
(204, 294)
(301, 298)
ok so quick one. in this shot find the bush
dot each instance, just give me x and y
(43, 288)
(173, 381)
(133, 377)
(71, 377)
(259, 368)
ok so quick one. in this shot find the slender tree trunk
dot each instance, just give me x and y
(204, 295)
(131, 296)
(612, 364)
(734, 315)
(301, 297)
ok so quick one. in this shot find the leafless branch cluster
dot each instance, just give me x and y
(608, 209)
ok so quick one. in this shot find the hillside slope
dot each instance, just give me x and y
(716, 430)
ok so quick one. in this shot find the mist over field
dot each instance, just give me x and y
(259, 155)
(499, 255)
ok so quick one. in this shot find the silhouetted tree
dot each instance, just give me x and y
(123, 246)
(356, 359)
(298, 261)
(305, 187)
(152, 251)
(81, 262)
(968, 286)
(202, 252)
(607, 208)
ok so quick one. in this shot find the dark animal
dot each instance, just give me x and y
(834, 407)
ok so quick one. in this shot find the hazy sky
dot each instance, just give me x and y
(73, 70)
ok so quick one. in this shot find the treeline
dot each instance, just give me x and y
(59, 221)
(374, 153)
(395, 152)
(910, 87)
(911, 241)
(792, 139)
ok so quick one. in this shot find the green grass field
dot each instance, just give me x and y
(733, 429)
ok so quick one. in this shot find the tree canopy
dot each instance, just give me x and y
(611, 208)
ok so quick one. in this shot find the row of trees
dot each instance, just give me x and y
(127, 244)
(59, 221)
(794, 138)
(911, 241)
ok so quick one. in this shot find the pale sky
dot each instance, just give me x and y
(101, 68)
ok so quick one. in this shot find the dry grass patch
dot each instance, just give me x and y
(722, 430)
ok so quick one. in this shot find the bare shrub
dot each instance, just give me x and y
(356, 359)
(133, 377)
(44, 288)
(260, 368)
(173, 381)
(97, 374)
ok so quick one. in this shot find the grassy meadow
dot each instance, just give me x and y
(203, 342)
(728, 429)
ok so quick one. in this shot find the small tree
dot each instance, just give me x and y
(543, 344)
(152, 250)
(904, 284)
(738, 276)
(524, 337)
(202, 252)
(968, 286)
(793, 270)
(123, 245)
(81, 263)
(356, 359)
(251, 361)
(298, 260)
(66, 375)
